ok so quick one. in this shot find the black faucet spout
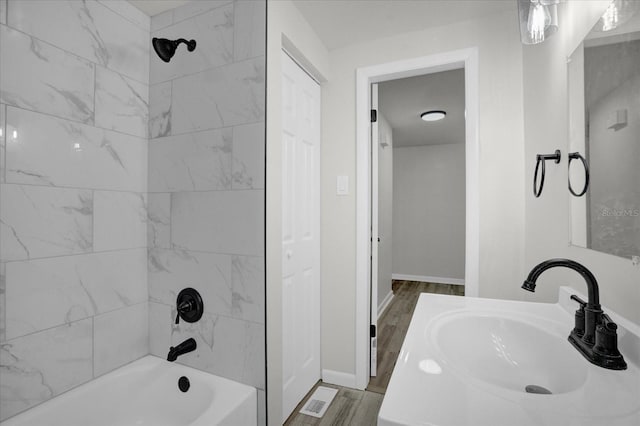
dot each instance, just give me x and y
(592, 283)
(187, 346)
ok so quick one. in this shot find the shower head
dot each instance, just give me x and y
(166, 48)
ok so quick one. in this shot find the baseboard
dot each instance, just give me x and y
(427, 279)
(339, 378)
(385, 303)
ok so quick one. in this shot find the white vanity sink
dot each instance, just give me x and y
(508, 352)
(469, 361)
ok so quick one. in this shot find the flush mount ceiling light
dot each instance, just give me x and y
(538, 20)
(434, 115)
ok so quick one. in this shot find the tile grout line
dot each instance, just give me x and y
(102, 2)
(69, 52)
(93, 126)
(66, 324)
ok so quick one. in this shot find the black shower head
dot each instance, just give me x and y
(166, 48)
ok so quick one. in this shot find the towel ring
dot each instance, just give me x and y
(573, 156)
(541, 159)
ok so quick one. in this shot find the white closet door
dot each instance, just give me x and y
(300, 233)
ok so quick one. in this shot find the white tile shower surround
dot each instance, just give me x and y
(46, 293)
(225, 96)
(87, 29)
(158, 220)
(119, 220)
(248, 157)
(230, 222)
(41, 77)
(43, 222)
(73, 269)
(183, 162)
(199, 161)
(208, 273)
(120, 337)
(45, 364)
(230, 285)
(56, 152)
(160, 110)
(129, 12)
(122, 104)
(82, 115)
(215, 27)
(226, 346)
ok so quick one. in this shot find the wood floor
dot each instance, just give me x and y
(355, 407)
(394, 323)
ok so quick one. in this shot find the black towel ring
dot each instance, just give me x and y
(541, 159)
(573, 156)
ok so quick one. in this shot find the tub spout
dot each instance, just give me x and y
(187, 346)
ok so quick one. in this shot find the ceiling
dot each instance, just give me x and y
(153, 7)
(345, 22)
(402, 101)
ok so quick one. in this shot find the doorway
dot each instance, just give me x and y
(418, 203)
(366, 311)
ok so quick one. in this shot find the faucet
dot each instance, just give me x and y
(183, 348)
(594, 334)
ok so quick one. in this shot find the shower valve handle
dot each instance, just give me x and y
(189, 305)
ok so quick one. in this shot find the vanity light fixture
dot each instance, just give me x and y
(618, 13)
(538, 20)
(433, 115)
(610, 18)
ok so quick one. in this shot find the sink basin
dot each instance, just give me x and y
(483, 362)
(508, 353)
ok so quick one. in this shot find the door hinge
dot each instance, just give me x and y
(374, 115)
(372, 330)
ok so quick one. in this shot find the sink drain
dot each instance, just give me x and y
(537, 389)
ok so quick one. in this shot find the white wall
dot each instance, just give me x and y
(501, 155)
(429, 211)
(547, 217)
(283, 21)
(385, 208)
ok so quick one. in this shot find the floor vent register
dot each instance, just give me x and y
(318, 403)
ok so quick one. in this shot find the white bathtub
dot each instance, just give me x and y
(146, 392)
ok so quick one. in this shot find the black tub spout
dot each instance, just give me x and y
(187, 346)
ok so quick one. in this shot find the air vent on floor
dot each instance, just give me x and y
(318, 403)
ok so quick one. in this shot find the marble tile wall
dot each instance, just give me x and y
(74, 107)
(206, 187)
(124, 179)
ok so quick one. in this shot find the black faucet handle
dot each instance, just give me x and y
(608, 324)
(184, 308)
(580, 301)
(578, 328)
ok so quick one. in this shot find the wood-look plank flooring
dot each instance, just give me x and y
(394, 323)
(349, 407)
(360, 408)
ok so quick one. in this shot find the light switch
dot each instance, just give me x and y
(342, 185)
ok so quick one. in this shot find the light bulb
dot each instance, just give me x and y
(538, 20)
(610, 18)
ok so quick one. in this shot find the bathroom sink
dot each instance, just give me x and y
(509, 353)
(486, 362)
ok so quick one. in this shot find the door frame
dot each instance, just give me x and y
(463, 58)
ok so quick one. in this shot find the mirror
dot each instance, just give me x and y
(604, 127)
